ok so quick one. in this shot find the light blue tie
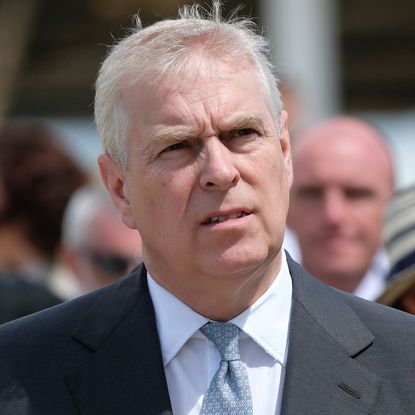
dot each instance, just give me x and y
(229, 392)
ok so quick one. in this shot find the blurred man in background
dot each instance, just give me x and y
(96, 246)
(343, 179)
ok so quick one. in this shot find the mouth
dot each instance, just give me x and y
(223, 218)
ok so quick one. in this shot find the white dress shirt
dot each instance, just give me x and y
(191, 360)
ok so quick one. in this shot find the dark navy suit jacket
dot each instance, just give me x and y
(100, 355)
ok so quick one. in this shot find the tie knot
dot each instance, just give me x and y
(225, 336)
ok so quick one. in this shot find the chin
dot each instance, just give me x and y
(237, 262)
(342, 272)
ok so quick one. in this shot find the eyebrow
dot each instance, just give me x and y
(167, 135)
(246, 121)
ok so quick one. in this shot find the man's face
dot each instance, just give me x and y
(340, 190)
(207, 180)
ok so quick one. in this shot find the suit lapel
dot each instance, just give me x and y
(124, 373)
(322, 375)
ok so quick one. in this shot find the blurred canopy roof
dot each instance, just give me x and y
(51, 50)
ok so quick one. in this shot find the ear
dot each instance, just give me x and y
(285, 146)
(113, 177)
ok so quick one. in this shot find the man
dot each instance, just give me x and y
(343, 179)
(201, 167)
(96, 247)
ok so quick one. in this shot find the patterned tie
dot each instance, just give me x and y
(229, 391)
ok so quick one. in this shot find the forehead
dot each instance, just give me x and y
(214, 92)
(342, 160)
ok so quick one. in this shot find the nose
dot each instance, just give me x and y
(218, 170)
(334, 206)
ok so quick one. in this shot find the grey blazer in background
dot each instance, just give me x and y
(100, 355)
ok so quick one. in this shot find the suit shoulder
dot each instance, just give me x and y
(57, 320)
(339, 311)
(382, 318)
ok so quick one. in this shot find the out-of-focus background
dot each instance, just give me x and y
(334, 56)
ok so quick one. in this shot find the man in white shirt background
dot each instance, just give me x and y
(343, 180)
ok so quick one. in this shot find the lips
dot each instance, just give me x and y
(222, 218)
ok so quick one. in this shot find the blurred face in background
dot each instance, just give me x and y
(108, 251)
(343, 178)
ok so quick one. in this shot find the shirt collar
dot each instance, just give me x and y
(176, 322)
(266, 321)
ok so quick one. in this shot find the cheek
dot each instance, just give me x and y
(373, 233)
(142, 194)
(166, 196)
(276, 184)
(267, 166)
(306, 227)
(370, 219)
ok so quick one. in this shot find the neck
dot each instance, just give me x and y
(222, 297)
(343, 281)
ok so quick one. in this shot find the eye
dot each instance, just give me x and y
(244, 132)
(310, 192)
(175, 147)
(358, 193)
(175, 150)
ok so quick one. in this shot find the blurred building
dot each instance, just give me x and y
(337, 55)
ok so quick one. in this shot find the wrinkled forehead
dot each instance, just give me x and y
(199, 73)
(203, 79)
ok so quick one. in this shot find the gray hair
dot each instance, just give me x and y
(164, 48)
